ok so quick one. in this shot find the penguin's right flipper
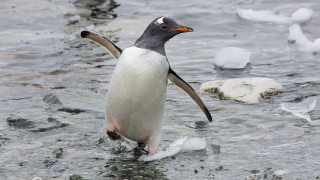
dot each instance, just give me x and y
(104, 42)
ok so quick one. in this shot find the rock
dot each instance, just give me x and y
(49, 162)
(247, 90)
(75, 100)
(75, 177)
(18, 122)
(215, 148)
(47, 126)
(253, 177)
(58, 153)
(232, 58)
(219, 168)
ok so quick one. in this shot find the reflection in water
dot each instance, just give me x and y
(100, 9)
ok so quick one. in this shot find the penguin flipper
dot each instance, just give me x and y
(174, 77)
(103, 41)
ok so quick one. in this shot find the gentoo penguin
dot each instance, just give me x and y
(137, 90)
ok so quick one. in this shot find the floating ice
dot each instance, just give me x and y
(182, 144)
(300, 109)
(264, 16)
(296, 36)
(302, 15)
(247, 90)
(280, 172)
(232, 58)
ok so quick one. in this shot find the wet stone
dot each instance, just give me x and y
(75, 177)
(215, 148)
(22, 163)
(58, 153)
(253, 177)
(75, 101)
(18, 122)
(49, 162)
(52, 124)
(255, 171)
(201, 124)
(71, 110)
(44, 127)
(219, 168)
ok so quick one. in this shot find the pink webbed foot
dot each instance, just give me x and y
(152, 152)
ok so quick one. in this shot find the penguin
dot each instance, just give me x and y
(137, 90)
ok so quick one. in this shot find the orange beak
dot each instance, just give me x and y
(182, 29)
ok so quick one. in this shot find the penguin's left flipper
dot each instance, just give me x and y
(104, 42)
(174, 77)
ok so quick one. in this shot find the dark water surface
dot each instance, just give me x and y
(41, 52)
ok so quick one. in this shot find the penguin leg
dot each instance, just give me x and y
(140, 150)
(113, 135)
(111, 129)
(153, 143)
(141, 145)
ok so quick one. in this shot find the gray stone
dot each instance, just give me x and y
(247, 90)
(19, 122)
(75, 100)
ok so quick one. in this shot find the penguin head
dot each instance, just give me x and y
(165, 28)
(159, 32)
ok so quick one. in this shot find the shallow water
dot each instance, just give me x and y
(41, 52)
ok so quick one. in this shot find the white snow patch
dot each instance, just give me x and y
(300, 109)
(182, 144)
(232, 58)
(302, 15)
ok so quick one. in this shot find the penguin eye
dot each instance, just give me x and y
(164, 26)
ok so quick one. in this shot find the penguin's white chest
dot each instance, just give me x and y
(136, 93)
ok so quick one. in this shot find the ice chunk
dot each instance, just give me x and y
(300, 109)
(182, 144)
(263, 15)
(302, 15)
(247, 90)
(296, 36)
(232, 58)
(280, 172)
(194, 144)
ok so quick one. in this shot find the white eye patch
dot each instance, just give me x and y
(160, 20)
